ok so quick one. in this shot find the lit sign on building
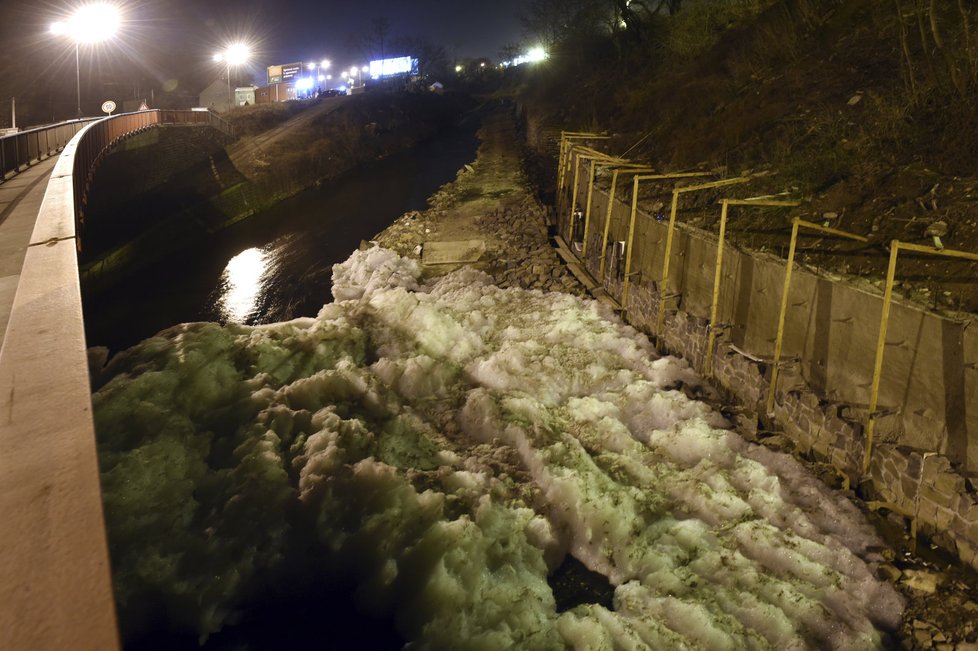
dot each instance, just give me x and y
(283, 74)
(390, 67)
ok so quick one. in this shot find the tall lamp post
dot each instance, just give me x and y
(322, 65)
(89, 24)
(234, 55)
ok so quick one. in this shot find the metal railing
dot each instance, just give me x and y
(56, 588)
(100, 136)
(19, 150)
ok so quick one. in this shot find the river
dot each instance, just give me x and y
(277, 265)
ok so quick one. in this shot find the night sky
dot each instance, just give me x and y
(167, 42)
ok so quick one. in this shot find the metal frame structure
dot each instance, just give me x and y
(895, 247)
(631, 222)
(627, 168)
(663, 288)
(796, 223)
(724, 209)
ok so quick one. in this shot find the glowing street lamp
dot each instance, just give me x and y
(322, 65)
(234, 55)
(89, 24)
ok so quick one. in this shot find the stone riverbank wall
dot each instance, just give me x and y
(925, 454)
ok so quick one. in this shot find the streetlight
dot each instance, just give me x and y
(234, 55)
(322, 65)
(89, 24)
(355, 70)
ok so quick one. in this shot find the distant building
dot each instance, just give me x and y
(215, 96)
(281, 92)
(245, 95)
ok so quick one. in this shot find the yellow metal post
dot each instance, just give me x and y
(725, 204)
(786, 289)
(628, 246)
(664, 285)
(560, 167)
(880, 346)
(634, 169)
(587, 208)
(631, 223)
(573, 200)
(566, 145)
(772, 389)
(895, 247)
(711, 339)
(607, 222)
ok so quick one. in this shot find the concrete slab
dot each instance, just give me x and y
(20, 202)
(453, 252)
(55, 585)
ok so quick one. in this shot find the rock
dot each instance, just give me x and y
(889, 572)
(921, 581)
(923, 638)
(855, 99)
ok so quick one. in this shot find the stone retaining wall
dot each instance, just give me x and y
(936, 494)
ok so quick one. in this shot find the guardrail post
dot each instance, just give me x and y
(725, 204)
(776, 362)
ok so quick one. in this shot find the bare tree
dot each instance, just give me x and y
(380, 27)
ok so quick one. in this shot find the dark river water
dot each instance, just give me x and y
(278, 265)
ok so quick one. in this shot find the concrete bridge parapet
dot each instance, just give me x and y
(55, 582)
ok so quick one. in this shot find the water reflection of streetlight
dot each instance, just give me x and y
(89, 24)
(234, 55)
(241, 285)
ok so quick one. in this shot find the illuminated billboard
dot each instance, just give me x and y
(390, 67)
(284, 73)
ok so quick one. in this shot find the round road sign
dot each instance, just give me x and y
(108, 106)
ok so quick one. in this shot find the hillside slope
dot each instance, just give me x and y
(863, 112)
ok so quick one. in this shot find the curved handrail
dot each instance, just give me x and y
(55, 583)
(100, 136)
(20, 149)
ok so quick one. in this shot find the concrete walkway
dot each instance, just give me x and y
(20, 200)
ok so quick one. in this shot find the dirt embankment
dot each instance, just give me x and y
(283, 149)
(862, 111)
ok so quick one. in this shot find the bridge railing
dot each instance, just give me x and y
(55, 581)
(101, 135)
(19, 150)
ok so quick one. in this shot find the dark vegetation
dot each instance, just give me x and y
(865, 111)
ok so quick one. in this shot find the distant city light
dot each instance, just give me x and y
(458, 68)
(311, 66)
(325, 63)
(395, 66)
(535, 55)
(303, 83)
